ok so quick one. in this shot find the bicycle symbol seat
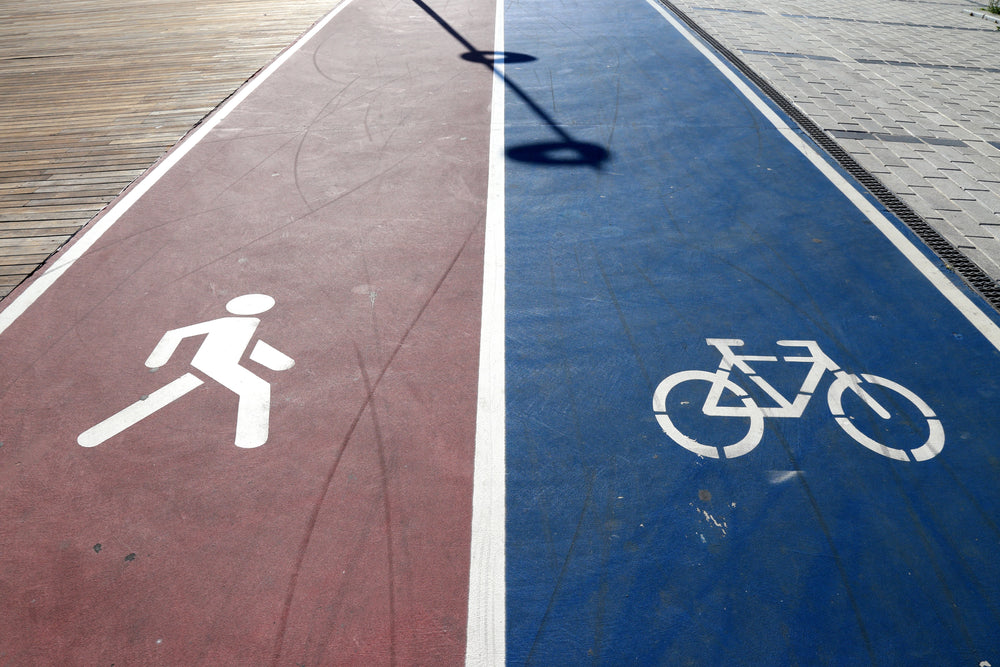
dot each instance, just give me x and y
(720, 381)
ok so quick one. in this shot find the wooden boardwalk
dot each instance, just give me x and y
(92, 92)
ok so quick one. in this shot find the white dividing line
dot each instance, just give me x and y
(956, 296)
(486, 628)
(63, 262)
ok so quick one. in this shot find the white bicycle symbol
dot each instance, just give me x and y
(821, 363)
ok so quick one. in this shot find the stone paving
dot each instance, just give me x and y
(911, 89)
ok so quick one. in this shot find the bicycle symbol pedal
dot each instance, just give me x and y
(720, 381)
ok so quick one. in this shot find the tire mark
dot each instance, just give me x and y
(564, 569)
(387, 507)
(342, 446)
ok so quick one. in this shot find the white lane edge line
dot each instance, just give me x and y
(79, 246)
(948, 289)
(486, 622)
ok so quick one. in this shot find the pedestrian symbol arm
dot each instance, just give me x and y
(266, 355)
(165, 348)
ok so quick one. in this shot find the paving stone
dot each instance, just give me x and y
(979, 211)
(932, 162)
(868, 161)
(964, 181)
(887, 157)
(980, 170)
(990, 200)
(896, 184)
(963, 223)
(930, 195)
(954, 154)
(964, 133)
(869, 124)
(950, 189)
(921, 165)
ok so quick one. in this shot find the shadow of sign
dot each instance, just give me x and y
(491, 58)
(564, 151)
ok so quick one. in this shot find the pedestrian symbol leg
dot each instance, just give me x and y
(253, 414)
(138, 411)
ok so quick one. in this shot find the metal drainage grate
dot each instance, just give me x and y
(954, 260)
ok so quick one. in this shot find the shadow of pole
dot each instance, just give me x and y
(566, 151)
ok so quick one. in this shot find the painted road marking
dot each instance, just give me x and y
(226, 340)
(720, 382)
(486, 623)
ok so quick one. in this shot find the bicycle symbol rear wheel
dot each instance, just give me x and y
(935, 438)
(743, 446)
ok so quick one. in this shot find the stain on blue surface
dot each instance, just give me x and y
(623, 547)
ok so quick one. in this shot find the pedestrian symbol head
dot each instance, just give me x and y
(250, 304)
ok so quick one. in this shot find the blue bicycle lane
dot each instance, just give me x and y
(650, 207)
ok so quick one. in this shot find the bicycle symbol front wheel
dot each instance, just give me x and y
(750, 411)
(935, 438)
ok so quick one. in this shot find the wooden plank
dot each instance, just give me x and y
(44, 215)
(41, 226)
(15, 269)
(39, 245)
(66, 231)
(95, 91)
(17, 260)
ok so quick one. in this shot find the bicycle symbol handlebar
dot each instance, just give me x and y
(720, 381)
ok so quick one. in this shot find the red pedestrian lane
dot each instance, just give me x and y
(284, 477)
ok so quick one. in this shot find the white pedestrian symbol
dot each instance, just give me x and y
(226, 339)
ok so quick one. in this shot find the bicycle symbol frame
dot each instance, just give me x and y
(821, 363)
